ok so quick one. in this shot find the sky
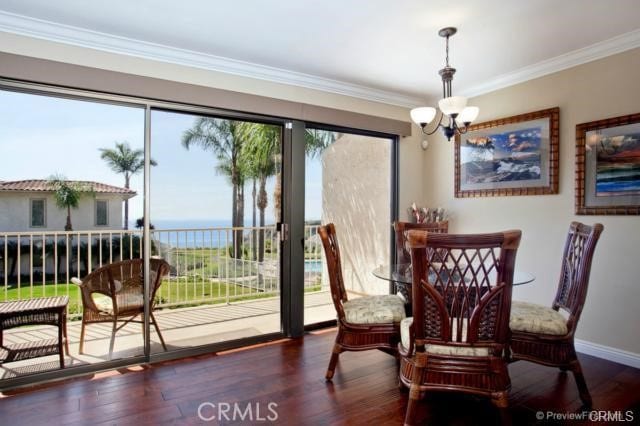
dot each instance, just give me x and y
(41, 136)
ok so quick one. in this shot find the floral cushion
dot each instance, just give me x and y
(443, 349)
(384, 309)
(124, 301)
(404, 331)
(534, 318)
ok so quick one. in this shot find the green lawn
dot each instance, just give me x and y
(199, 267)
(188, 291)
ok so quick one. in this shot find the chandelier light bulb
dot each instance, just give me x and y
(468, 115)
(452, 105)
(423, 115)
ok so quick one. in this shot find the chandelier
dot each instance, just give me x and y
(455, 108)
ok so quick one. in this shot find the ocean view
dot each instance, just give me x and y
(210, 233)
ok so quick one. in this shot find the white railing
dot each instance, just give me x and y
(203, 266)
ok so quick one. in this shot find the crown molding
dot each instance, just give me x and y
(66, 34)
(618, 44)
(55, 32)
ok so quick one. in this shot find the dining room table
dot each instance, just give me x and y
(401, 273)
(400, 279)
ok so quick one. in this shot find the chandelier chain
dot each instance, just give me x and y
(447, 53)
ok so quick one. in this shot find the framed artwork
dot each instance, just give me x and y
(511, 156)
(608, 166)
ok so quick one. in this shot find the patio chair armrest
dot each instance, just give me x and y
(77, 281)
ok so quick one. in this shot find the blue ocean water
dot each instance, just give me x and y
(207, 233)
(313, 266)
(618, 179)
(631, 187)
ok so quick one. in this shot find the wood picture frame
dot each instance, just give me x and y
(607, 179)
(517, 155)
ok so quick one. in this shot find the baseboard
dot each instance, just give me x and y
(606, 352)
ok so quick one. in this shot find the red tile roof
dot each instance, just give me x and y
(43, 185)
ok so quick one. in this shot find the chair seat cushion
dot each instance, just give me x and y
(126, 301)
(539, 319)
(405, 325)
(383, 309)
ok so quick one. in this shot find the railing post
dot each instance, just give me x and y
(226, 272)
(89, 251)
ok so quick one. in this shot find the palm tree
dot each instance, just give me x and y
(315, 141)
(67, 195)
(224, 139)
(260, 158)
(126, 161)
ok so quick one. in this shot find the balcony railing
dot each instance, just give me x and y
(205, 266)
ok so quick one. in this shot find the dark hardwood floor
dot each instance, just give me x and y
(290, 374)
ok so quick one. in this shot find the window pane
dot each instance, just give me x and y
(101, 213)
(37, 213)
(215, 197)
(348, 183)
(68, 164)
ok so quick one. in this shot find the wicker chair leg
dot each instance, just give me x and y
(505, 416)
(412, 404)
(155, 324)
(337, 349)
(66, 337)
(81, 349)
(113, 338)
(415, 394)
(501, 401)
(583, 390)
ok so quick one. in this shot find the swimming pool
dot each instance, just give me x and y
(313, 266)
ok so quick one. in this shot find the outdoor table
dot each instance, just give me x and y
(45, 311)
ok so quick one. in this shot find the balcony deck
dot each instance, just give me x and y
(181, 328)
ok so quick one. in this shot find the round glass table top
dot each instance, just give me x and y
(401, 273)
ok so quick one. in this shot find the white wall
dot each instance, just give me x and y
(356, 185)
(605, 88)
(15, 213)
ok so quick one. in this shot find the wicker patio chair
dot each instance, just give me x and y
(543, 335)
(114, 294)
(369, 322)
(458, 335)
(402, 249)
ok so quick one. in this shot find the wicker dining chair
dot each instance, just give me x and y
(368, 322)
(403, 254)
(543, 335)
(458, 335)
(114, 294)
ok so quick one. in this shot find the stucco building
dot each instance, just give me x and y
(29, 206)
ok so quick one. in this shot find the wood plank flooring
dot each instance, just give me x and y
(290, 373)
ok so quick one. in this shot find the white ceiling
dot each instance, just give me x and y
(375, 49)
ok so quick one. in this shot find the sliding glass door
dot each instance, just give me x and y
(215, 199)
(70, 183)
(90, 181)
(348, 181)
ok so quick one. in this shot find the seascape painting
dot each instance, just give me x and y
(510, 156)
(502, 157)
(618, 165)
